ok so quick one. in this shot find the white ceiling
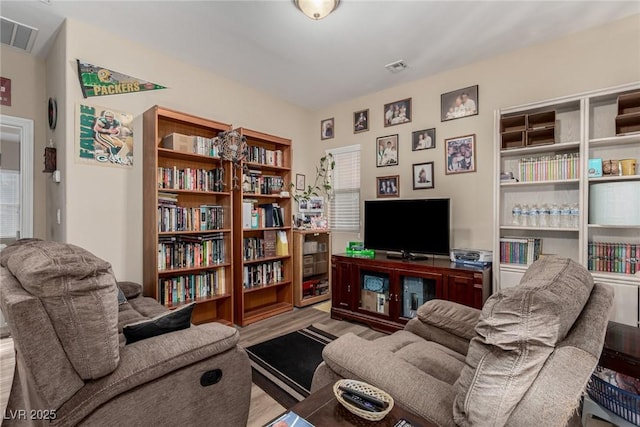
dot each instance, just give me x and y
(273, 47)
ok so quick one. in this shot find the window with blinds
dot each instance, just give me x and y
(344, 210)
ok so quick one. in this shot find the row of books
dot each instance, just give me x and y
(256, 183)
(256, 275)
(613, 257)
(266, 157)
(261, 216)
(175, 252)
(274, 243)
(207, 146)
(178, 218)
(191, 179)
(516, 250)
(549, 168)
(188, 288)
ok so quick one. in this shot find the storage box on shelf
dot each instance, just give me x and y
(628, 117)
(526, 130)
(311, 267)
(262, 230)
(187, 215)
(606, 228)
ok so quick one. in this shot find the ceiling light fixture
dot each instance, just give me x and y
(316, 9)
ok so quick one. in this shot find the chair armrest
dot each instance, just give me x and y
(130, 289)
(356, 358)
(457, 319)
(147, 360)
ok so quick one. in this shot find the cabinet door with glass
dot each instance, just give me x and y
(375, 293)
(415, 290)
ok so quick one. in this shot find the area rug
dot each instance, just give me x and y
(283, 367)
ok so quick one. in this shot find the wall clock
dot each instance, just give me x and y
(53, 113)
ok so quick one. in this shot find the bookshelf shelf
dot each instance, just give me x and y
(559, 147)
(250, 207)
(534, 183)
(199, 300)
(159, 122)
(615, 178)
(518, 227)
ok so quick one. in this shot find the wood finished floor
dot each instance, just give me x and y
(263, 408)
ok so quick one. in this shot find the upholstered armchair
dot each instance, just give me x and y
(75, 367)
(524, 360)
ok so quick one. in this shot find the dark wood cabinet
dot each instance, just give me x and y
(385, 293)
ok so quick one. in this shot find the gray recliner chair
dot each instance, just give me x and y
(72, 364)
(524, 360)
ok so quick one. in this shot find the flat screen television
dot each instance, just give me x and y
(409, 226)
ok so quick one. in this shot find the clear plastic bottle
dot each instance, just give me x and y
(554, 216)
(534, 215)
(565, 216)
(543, 220)
(516, 215)
(524, 219)
(575, 215)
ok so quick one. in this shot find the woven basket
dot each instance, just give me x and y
(367, 389)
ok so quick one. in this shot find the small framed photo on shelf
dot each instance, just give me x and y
(397, 113)
(460, 154)
(423, 139)
(361, 121)
(387, 150)
(423, 176)
(459, 103)
(388, 186)
(311, 205)
(300, 182)
(327, 129)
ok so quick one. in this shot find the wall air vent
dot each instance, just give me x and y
(397, 66)
(17, 35)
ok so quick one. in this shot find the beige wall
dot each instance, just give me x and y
(103, 208)
(28, 101)
(601, 57)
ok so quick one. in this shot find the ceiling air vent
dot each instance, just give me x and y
(396, 67)
(17, 35)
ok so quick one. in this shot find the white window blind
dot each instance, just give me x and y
(9, 203)
(344, 210)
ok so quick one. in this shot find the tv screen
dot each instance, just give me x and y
(419, 226)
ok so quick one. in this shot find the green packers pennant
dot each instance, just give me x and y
(98, 81)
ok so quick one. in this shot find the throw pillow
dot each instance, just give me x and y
(167, 322)
(121, 298)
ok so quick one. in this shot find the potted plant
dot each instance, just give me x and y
(322, 185)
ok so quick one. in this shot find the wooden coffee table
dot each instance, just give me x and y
(323, 410)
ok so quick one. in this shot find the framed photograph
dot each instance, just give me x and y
(327, 129)
(300, 182)
(387, 150)
(361, 121)
(388, 186)
(459, 103)
(460, 154)
(397, 113)
(423, 139)
(316, 204)
(423, 176)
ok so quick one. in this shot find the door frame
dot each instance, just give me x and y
(25, 130)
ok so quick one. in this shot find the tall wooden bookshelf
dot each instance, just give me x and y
(187, 258)
(263, 284)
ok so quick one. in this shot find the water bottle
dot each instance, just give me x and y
(575, 215)
(524, 219)
(516, 214)
(543, 219)
(534, 214)
(554, 216)
(565, 216)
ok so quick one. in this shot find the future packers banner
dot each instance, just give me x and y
(98, 81)
(104, 136)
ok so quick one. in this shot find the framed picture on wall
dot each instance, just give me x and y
(327, 129)
(423, 139)
(388, 186)
(387, 150)
(361, 121)
(423, 176)
(300, 182)
(460, 154)
(397, 113)
(459, 103)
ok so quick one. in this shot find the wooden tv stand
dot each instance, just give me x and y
(384, 293)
